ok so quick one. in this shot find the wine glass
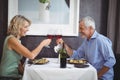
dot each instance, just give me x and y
(50, 35)
(58, 34)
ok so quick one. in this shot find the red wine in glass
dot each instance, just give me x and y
(50, 36)
(58, 36)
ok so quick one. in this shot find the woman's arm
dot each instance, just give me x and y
(14, 44)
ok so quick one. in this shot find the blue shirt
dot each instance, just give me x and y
(98, 51)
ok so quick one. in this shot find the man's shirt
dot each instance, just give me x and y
(98, 51)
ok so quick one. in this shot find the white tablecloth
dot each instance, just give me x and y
(52, 71)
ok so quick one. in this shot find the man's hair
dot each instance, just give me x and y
(89, 21)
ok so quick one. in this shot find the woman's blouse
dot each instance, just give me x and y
(10, 60)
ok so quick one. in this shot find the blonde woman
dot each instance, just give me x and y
(13, 50)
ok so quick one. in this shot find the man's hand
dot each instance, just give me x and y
(59, 41)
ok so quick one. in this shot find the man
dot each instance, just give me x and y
(96, 49)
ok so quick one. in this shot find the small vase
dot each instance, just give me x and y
(44, 12)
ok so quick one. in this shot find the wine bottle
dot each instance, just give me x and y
(63, 57)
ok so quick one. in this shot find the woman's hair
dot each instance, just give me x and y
(16, 23)
(89, 21)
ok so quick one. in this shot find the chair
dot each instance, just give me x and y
(117, 67)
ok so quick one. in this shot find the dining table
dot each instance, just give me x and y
(52, 71)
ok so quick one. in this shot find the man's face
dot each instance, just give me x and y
(84, 31)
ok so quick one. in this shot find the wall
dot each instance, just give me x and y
(3, 22)
(94, 8)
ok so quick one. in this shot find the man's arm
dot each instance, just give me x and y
(68, 49)
(103, 71)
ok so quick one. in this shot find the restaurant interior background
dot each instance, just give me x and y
(105, 12)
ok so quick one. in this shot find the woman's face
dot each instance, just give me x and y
(24, 29)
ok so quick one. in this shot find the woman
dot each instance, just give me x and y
(13, 50)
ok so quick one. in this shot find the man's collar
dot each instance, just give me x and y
(94, 35)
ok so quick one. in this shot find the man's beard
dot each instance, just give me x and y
(82, 35)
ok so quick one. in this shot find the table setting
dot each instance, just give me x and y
(52, 71)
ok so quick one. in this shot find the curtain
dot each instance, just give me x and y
(113, 24)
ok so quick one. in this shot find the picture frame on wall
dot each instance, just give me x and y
(60, 16)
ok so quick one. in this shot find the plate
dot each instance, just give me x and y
(81, 66)
(75, 61)
(38, 61)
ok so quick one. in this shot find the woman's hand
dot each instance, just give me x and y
(46, 42)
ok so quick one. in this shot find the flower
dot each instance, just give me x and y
(44, 1)
(57, 48)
